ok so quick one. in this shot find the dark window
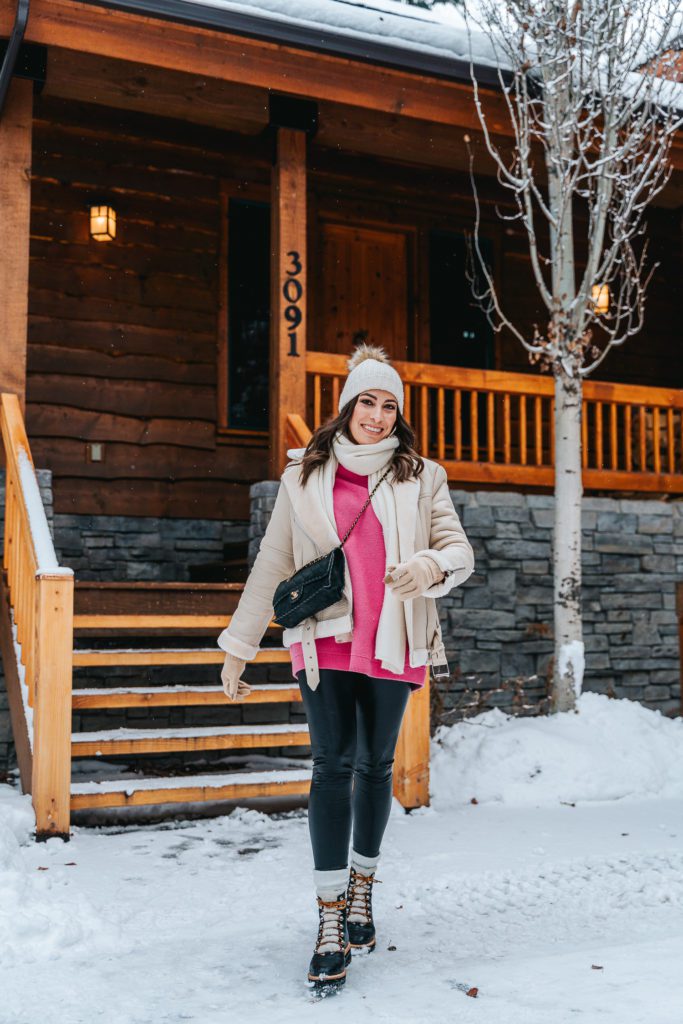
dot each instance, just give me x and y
(249, 314)
(460, 332)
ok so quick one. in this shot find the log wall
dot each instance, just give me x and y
(123, 335)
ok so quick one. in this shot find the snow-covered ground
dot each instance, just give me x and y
(558, 895)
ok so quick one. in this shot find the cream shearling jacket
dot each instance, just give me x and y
(299, 531)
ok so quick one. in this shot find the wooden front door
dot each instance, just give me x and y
(364, 289)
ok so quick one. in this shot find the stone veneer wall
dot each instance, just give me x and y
(137, 548)
(141, 547)
(498, 626)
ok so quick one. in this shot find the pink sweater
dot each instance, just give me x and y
(366, 559)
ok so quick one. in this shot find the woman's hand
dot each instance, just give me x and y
(412, 578)
(234, 688)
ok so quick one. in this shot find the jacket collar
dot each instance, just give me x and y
(315, 524)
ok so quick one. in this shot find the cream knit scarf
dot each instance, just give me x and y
(372, 460)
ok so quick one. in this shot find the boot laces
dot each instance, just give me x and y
(331, 926)
(359, 901)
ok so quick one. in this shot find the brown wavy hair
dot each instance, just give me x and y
(405, 464)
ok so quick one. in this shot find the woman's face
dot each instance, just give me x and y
(374, 416)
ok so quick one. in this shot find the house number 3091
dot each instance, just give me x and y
(292, 291)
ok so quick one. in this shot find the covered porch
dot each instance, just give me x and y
(275, 203)
(260, 232)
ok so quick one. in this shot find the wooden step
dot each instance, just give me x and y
(162, 741)
(159, 623)
(135, 598)
(126, 622)
(186, 696)
(168, 656)
(189, 788)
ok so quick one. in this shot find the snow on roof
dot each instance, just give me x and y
(385, 31)
(388, 32)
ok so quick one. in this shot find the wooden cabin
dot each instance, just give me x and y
(202, 210)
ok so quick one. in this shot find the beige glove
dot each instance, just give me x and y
(234, 688)
(414, 577)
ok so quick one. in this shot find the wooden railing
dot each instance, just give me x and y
(36, 635)
(297, 432)
(493, 427)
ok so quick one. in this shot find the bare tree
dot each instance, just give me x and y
(592, 100)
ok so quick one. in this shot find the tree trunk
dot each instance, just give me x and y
(569, 649)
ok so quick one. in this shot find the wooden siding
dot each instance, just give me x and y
(122, 335)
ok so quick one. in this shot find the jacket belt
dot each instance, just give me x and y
(437, 658)
(310, 653)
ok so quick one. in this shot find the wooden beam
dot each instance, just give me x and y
(411, 763)
(52, 711)
(295, 736)
(161, 43)
(288, 291)
(125, 622)
(160, 656)
(236, 790)
(15, 212)
(97, 78)
(155, 598)
(169, 696)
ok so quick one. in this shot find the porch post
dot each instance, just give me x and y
(53, 639)
(411, 762)
(15, 213)
(288, 290)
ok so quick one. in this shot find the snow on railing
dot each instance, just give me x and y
(46, 557)
(23, 684)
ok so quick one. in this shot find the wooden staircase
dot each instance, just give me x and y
(161, 633)
(83, 661)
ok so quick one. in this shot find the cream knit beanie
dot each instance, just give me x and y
(369, 367)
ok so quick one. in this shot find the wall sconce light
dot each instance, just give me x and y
(600, 296)
(102, 223)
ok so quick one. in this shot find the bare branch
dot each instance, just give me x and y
(591, 98)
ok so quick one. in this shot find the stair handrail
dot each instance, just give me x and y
(37, 611)
(298, 433)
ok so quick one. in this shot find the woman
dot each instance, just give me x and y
(358, 660)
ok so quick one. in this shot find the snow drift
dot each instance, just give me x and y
(38, 919)
(606, 750)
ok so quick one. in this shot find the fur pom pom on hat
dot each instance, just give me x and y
(369, 367)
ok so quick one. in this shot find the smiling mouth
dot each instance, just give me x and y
(371, 430)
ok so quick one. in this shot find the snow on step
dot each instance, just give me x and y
(179, 688)
(167, 650)
(150, 650)
(129, 786)
(108, 735)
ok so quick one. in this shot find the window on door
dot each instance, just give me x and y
(248, 284)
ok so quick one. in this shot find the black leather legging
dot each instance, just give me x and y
(354, 723)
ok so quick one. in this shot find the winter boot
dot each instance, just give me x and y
(361, 926)
(327, 970)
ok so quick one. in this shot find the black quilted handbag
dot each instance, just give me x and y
(318, 584)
